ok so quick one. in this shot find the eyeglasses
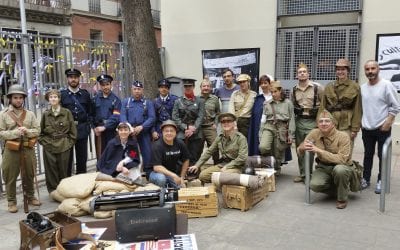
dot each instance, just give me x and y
(225, 76)
(226, 121)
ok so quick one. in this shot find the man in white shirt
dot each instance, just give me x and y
(380, 105)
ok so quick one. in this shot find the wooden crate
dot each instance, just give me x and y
(270, 175)
(241, 197)
(200, 202)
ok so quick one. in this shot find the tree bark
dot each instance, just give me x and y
(142, 46)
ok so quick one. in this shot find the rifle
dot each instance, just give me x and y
(22, 161)
(97, 141)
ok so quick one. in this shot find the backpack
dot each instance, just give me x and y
(355, 181)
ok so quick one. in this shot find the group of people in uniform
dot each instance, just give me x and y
(164, 138)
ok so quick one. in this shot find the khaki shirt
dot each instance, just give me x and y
(233, 148)
(282, 112)
(237, 103)
(336, 146)
(212, 109)
(304, 97)
(9, 128)
(58, 132)
(344, 95)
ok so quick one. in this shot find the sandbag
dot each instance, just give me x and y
(85, 204)
(251, 181)
(77, 186)
(71, 207)
(103, 214)
(56, 196)
(110, 186)
(149, 186)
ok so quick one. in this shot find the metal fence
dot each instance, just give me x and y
(319, 47)
(49, 57)
(61, 4)
(302, 7)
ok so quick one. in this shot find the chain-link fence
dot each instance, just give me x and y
(49, 57)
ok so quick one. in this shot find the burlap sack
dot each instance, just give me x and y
(71, 206)
(56, 196)
(103, 214)
(85, 204)
(101, 187)
(149, 186)
(77, 186)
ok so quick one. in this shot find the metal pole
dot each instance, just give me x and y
(25, 43)
(307, 167)
(385, 174)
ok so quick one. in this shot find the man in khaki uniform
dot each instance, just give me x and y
(232, 146)
(242, 102)
(334, 170)
(342, 98)
(306, 98)
(11, 131)
(211, 112)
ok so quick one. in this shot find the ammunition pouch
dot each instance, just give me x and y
(13, 145)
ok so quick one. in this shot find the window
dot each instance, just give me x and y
(301, 7)
(319, 48)
(94, 6)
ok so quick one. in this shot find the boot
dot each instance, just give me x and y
(12, 207)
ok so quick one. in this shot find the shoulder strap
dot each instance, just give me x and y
(315, 95)
(21, 119)
(237, 113)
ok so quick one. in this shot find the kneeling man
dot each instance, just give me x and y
(170, 158)
(231, 145)
(332, 149)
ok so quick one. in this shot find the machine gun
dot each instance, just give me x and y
(138, 199)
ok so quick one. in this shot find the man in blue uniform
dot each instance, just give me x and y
(78, 101)
(106, 107)
(139, 112)
(163, 105)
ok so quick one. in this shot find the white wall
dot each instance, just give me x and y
(108, 7)
(190, 26)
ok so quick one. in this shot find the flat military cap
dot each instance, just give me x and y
(227, 114)
(72, 72)
(104, 78)
(137, 84)
(168, 123)
(188, 81)
(164, 82)
(124, 125)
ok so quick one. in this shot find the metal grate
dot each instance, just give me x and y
(301, 7)
(319, 48)
(94, 6)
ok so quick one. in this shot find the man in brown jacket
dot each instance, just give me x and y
(334, 170)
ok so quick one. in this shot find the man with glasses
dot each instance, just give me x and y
(224, 92)
(188, 114)
(334, 171)
(232, 147)
(170, 159)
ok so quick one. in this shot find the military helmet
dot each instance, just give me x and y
(16, 89)
(343, 62)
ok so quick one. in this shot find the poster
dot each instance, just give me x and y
(388, 57)
(240, 61)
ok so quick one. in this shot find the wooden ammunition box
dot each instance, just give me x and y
(241, 197)
(270, 177)
(200, 202)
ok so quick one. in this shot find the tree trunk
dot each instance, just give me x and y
(142, 46)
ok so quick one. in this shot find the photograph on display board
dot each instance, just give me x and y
(388, 57)
(240, 61)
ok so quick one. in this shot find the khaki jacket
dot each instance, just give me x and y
(9, 128)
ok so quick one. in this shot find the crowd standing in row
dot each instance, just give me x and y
(169, 132)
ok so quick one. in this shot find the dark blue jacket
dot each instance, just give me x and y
(253, 139)
(163, 110)
(106, 110)
(138, 112)
(114, 153)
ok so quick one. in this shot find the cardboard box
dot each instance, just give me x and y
(200, 202)
(241, 197)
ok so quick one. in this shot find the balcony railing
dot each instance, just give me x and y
(156, 17)
(59, 4)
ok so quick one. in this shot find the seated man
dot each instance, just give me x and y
(334, 170)
(121, 154)
(170, 159)
(231, 145)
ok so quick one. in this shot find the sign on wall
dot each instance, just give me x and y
(240, 61)
(388, 57)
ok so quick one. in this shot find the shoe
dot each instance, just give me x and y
(364, 184)
(341, 204)
(298, 179)
(12, 207)
(34, 202)
(378, 187)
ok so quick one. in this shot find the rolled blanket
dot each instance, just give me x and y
(251, 181)
(257, 161)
